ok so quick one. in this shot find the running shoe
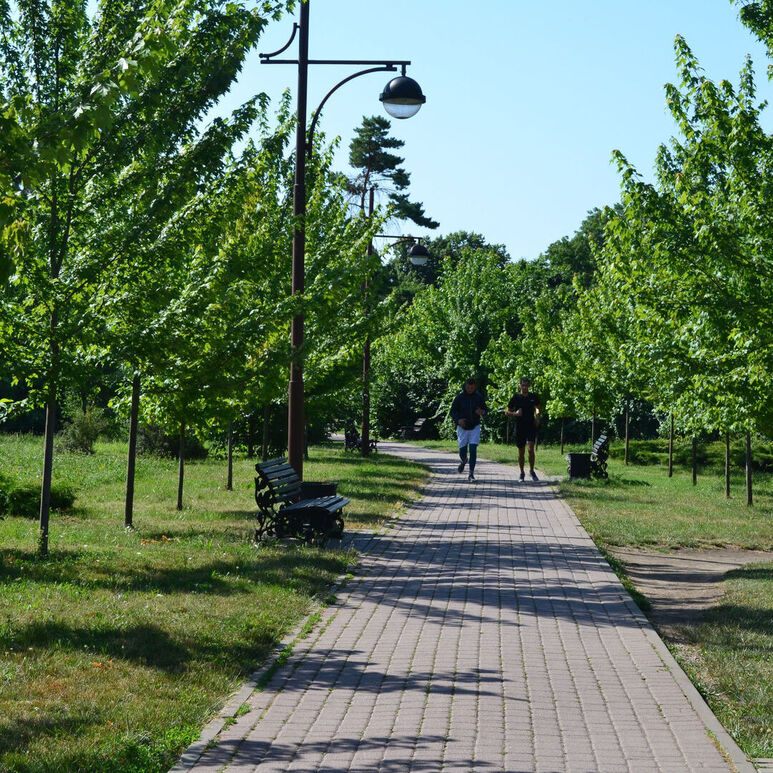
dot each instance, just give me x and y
(523, 475)
(471, 478)
(461, 466)
(533, 475)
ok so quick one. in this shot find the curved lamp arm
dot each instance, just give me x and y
(296, 27)
(315, 117)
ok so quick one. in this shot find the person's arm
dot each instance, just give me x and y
(456, 411)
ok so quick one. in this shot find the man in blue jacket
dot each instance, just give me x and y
(466, 410)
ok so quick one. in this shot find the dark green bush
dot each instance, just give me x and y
(152, 439)
(83, 429)
(24, 501)
(644, 452)
(708, 453)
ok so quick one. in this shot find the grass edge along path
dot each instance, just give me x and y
(119, 648)
(728, 656)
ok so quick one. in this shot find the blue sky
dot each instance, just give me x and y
(525, 100)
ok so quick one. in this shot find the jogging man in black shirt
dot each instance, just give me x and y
(525, 408)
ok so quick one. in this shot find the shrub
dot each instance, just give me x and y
(84, 427)
(708, 454)
(152, 439)
(24, 501)
(644, 452)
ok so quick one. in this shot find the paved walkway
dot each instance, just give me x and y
(484, 632)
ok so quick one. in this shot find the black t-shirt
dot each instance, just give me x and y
(527, 403)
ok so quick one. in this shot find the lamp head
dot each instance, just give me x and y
(419, 255)
(402, 97)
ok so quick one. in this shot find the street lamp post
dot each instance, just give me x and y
(402, 98)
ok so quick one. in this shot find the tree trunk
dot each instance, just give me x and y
(727, 465)
(365, 434)
(305, 443)
(562, 436)
(671, 448)
(128, 511)
(251, 436)
(627, 424)
(507, 430)
(694, 461)
(266, 421)
(230, 483)
(593, 428)
(749, 500)
(181, 467)
(48, 466)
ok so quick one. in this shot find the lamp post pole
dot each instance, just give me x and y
(365, 434)
(402, 98)
(296, 420)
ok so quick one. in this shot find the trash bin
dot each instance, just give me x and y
(579, 465)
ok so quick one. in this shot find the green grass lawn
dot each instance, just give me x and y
(117, 649)
(641, 506)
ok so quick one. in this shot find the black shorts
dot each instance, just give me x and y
(525, 433)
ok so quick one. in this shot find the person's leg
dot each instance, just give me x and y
(521, 456)
(473, 457)
(531, 460)
(462, 441)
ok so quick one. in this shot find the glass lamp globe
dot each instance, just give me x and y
(402, 97)
(419, 255)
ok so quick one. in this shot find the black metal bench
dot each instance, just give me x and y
(353, 441)
(288, 507)
(593, 464)
(413, 430)
(598, 458)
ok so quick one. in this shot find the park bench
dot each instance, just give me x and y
(593, 464)
(598, 458)
(413, 430)
(288, 507)
(353, 441)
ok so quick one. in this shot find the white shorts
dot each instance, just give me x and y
(467, 436)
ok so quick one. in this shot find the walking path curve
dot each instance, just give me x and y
(484, 632)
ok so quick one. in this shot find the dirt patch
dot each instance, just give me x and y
(682, 584)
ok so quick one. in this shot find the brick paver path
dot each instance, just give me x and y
(484, 632)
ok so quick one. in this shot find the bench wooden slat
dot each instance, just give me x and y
(287, 489)
(285, 471)
(327, 503)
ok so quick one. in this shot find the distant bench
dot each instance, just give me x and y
(353, 441)
(593, 464)
(288, 507)
(413, 430)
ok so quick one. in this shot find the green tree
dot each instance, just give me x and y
(691, 255)
(377, 167)
(441, 340)
(91, 105)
